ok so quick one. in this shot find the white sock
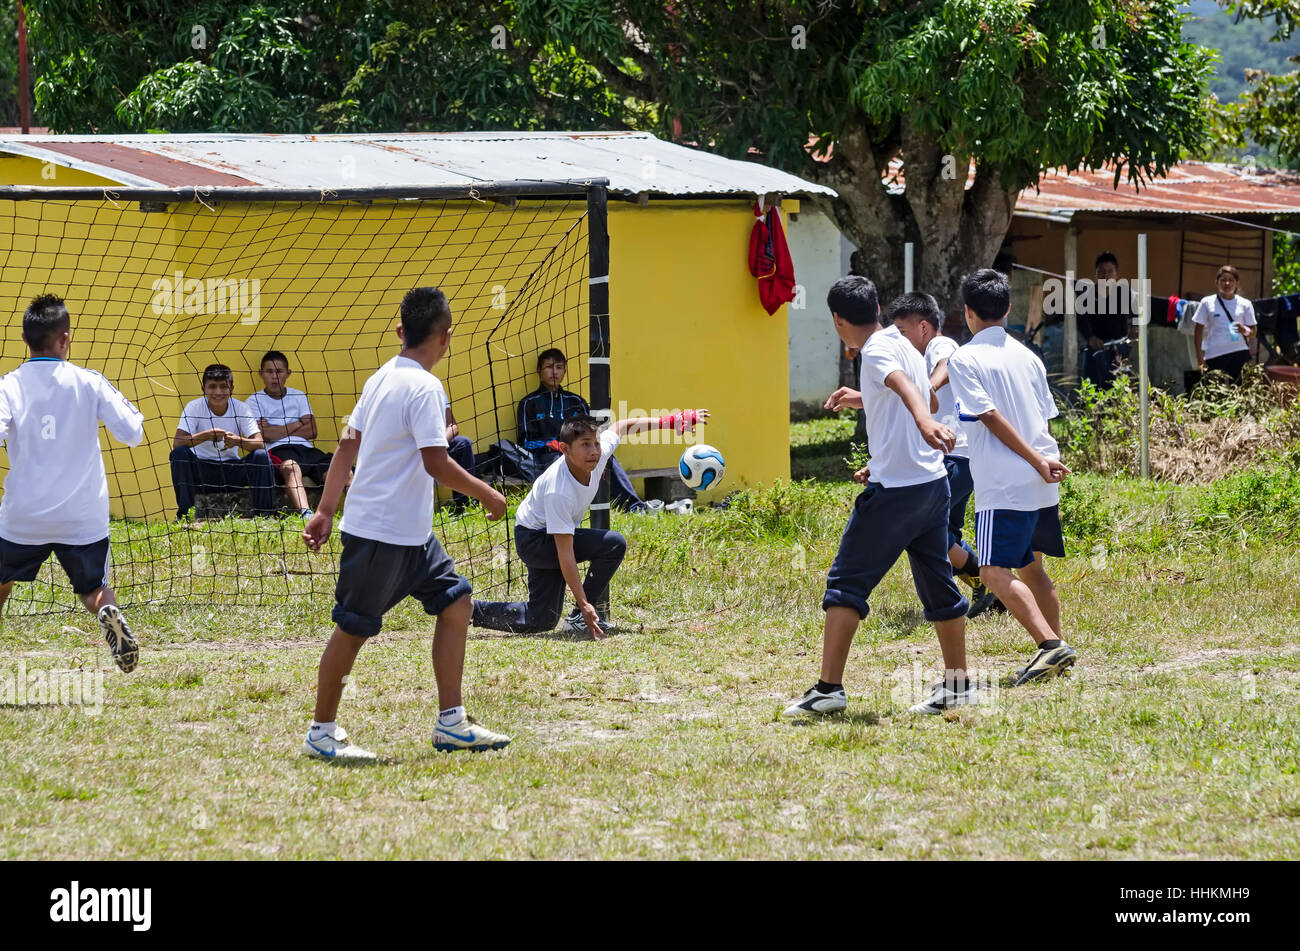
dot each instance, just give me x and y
(319, 730)
(451, 717)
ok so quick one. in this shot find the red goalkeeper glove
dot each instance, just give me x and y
(679, 421)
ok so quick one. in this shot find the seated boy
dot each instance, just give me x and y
(56, 493)
(396, 437)
(904, 507)
(917, 318)
(549, 541)
(1002, 395)
(287, 425)
(542, 413)
(205, 449)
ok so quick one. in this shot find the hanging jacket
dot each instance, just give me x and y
(770, 261)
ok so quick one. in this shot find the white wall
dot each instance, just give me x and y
(820, 257)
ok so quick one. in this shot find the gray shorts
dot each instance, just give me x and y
(374, 576)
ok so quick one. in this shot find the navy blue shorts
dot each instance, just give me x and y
(1008, 539)
(884, 524)
(374, 576)
(960, 487)
(86, 565)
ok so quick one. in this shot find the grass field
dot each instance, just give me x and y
(1176, 736)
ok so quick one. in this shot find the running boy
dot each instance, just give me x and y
(904, 507)
(287, 425)
(205, 448)
(56, 493)
(551, 544)
(396, 435)
(1001, 387)
(917, 318)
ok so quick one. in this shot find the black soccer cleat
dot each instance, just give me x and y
(125, 648)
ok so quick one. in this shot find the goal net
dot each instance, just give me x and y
(161, 284)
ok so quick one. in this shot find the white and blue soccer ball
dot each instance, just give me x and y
(701, 467)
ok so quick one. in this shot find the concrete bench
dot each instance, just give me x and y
(239, 503)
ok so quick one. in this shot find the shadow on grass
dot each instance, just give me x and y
(558, 634)
(854, 718)
(901, 624)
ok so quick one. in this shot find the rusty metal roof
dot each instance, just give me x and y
(634, 162)
(1189, 188)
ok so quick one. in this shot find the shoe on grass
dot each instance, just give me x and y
(1046, 664)
(981, 600)
(942, 698)
(814, 702)
(574, 624)
(334, 746)
(467, 735)
(125, 648)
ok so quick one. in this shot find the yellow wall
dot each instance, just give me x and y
(687, 330)
(22, 170)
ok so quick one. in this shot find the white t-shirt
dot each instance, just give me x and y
(198, 417)
(290, 408)
(996, 371)
(899, 454)
(400, 412)
(56, 490)
(942, 348)
(1210, 314)
(557, 502)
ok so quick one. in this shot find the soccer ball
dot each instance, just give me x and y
(701, 467)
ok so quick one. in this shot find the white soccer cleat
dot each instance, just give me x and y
(334, 746)
(680, 507)
(125, 648)
(467, 735)
(574, 623)
(942, 698)
(815, 702)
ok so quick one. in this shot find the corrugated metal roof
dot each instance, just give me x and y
(1188, 188)
(634, 162)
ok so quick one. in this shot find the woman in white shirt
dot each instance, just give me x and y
(1224, 324)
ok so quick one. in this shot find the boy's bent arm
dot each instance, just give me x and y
(1052, 470)
(935, 433)
(447, 471)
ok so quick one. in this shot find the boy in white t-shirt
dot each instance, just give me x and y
(56, 494)
(918, 318)
(551, 544)
(397, 438)
(1001, 389)
(904, 507)
(288, 426)
(205, 448)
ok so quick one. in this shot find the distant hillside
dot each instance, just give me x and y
(1242, 45)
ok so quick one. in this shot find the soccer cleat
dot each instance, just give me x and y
(125, 648)
(1046, 664)
(942, 698)
(981, 600)
(334, 746)
(467, 735)
(574, 624)
(816, 702)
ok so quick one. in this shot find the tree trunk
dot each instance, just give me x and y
(954, 229)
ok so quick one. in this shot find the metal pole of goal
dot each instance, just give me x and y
(1144, 320)
(908, 269)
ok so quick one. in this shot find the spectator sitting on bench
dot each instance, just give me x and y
(205, 450)
(285, 419)
(542, 413)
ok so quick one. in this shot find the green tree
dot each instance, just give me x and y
(1268, 112)
(1008, 87)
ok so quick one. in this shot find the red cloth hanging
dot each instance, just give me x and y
(770, 261)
